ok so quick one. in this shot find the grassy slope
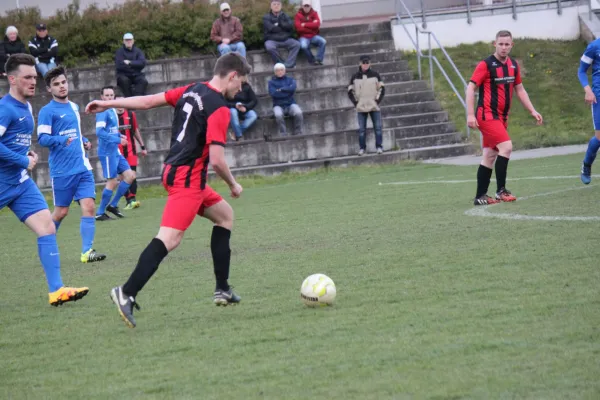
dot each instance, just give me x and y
(550, 76)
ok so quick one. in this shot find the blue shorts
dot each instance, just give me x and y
(24, 199)
(113, 165)
(596, 115)
(65, 189)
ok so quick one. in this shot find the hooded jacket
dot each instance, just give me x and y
(282, 91)
(44, 50)
(278, 28)
(310, 28)
(135, 55)
(366, 90)
(247, 97)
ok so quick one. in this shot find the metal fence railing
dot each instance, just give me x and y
(402, 12)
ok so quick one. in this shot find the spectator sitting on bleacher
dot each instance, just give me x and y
(308, 24)
(130, 62)
(44, 48)
(278, 29)
(366, 91)
(227, 32)
(12, 44)
(282, 89)
(242, 110)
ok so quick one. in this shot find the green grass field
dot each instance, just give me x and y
(549, 70)
(432, 303)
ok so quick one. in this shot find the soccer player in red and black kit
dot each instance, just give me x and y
(496, 77)
(199, 134)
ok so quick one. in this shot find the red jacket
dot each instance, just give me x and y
(310, 28)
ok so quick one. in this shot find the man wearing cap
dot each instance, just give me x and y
(307, 24)
(130, 61)
(44, 48)
(366, 91)
(278, 30)
(282, 89)
(227, 32)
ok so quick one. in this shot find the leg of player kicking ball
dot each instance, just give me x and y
(41, 223)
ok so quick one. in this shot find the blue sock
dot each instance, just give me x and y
(50, 258)
(106, 195)
(56, 224)
(87, 229)
(592, 150)
(121, 190)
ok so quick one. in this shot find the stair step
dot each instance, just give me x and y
(429, 140)
(347, 30)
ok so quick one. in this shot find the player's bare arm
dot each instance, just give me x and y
(470, 97)
(219, 164)
(136, 103)
(524, 99)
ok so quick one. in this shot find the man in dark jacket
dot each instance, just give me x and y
(242, 110)
(44, 48)
(282, 89)
(130, 62)
(12, 44)
(278, 29)
(366, 91)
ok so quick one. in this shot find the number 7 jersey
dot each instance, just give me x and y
(201, 118)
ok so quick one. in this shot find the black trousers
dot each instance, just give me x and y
(132, 86)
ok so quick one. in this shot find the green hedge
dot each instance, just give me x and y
(162, 29)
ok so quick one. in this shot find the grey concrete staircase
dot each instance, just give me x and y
(415, 125)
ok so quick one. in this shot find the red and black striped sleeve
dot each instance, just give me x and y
(216, 129)
(480, 74)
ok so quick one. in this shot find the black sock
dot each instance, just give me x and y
(219, 246)
(484, 174)
(147, 265)
(501, 168)
(133, 188)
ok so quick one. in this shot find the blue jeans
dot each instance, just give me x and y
(293, 111)
(43, 68)
(239, 47)
(362, 128)
(318, 41)
(240, 127)
(291, 45)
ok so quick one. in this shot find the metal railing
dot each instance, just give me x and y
(431, 57)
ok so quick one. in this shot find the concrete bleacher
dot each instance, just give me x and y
(415, 125)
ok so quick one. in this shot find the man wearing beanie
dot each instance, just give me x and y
(282, 89)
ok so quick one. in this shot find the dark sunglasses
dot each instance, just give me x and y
(306, 6)
(366, 62)
(227, 9)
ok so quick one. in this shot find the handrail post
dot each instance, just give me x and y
(430, 61)
(469, 12)
(418, 53)
(514, 9)
(559, 7)
(424, 24)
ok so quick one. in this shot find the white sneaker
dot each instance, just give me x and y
(361, 152)
(379, 150)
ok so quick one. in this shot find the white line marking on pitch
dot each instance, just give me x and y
(482, 211)
(449, 182)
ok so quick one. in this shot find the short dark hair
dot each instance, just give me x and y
(53, 74)
(16, 60)
(231, 62)
(503, 34)
(107, 87)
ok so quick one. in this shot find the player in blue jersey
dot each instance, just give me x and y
(59, 129)
(17, 190)
(112, 161)
(591, 57)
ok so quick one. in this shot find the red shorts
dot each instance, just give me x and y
(493, 132)
(183, 204)
(132, 159)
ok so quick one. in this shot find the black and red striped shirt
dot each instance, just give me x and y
(201, 118)
(496, 81)
(127, 126)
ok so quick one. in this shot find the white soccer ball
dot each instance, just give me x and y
(318, 290)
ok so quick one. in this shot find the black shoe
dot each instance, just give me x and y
(485, 200)
(92, 256)
(125, 305)
(103, 217)
(115, 211)
(225, 298)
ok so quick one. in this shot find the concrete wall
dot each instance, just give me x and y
(452, 30)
